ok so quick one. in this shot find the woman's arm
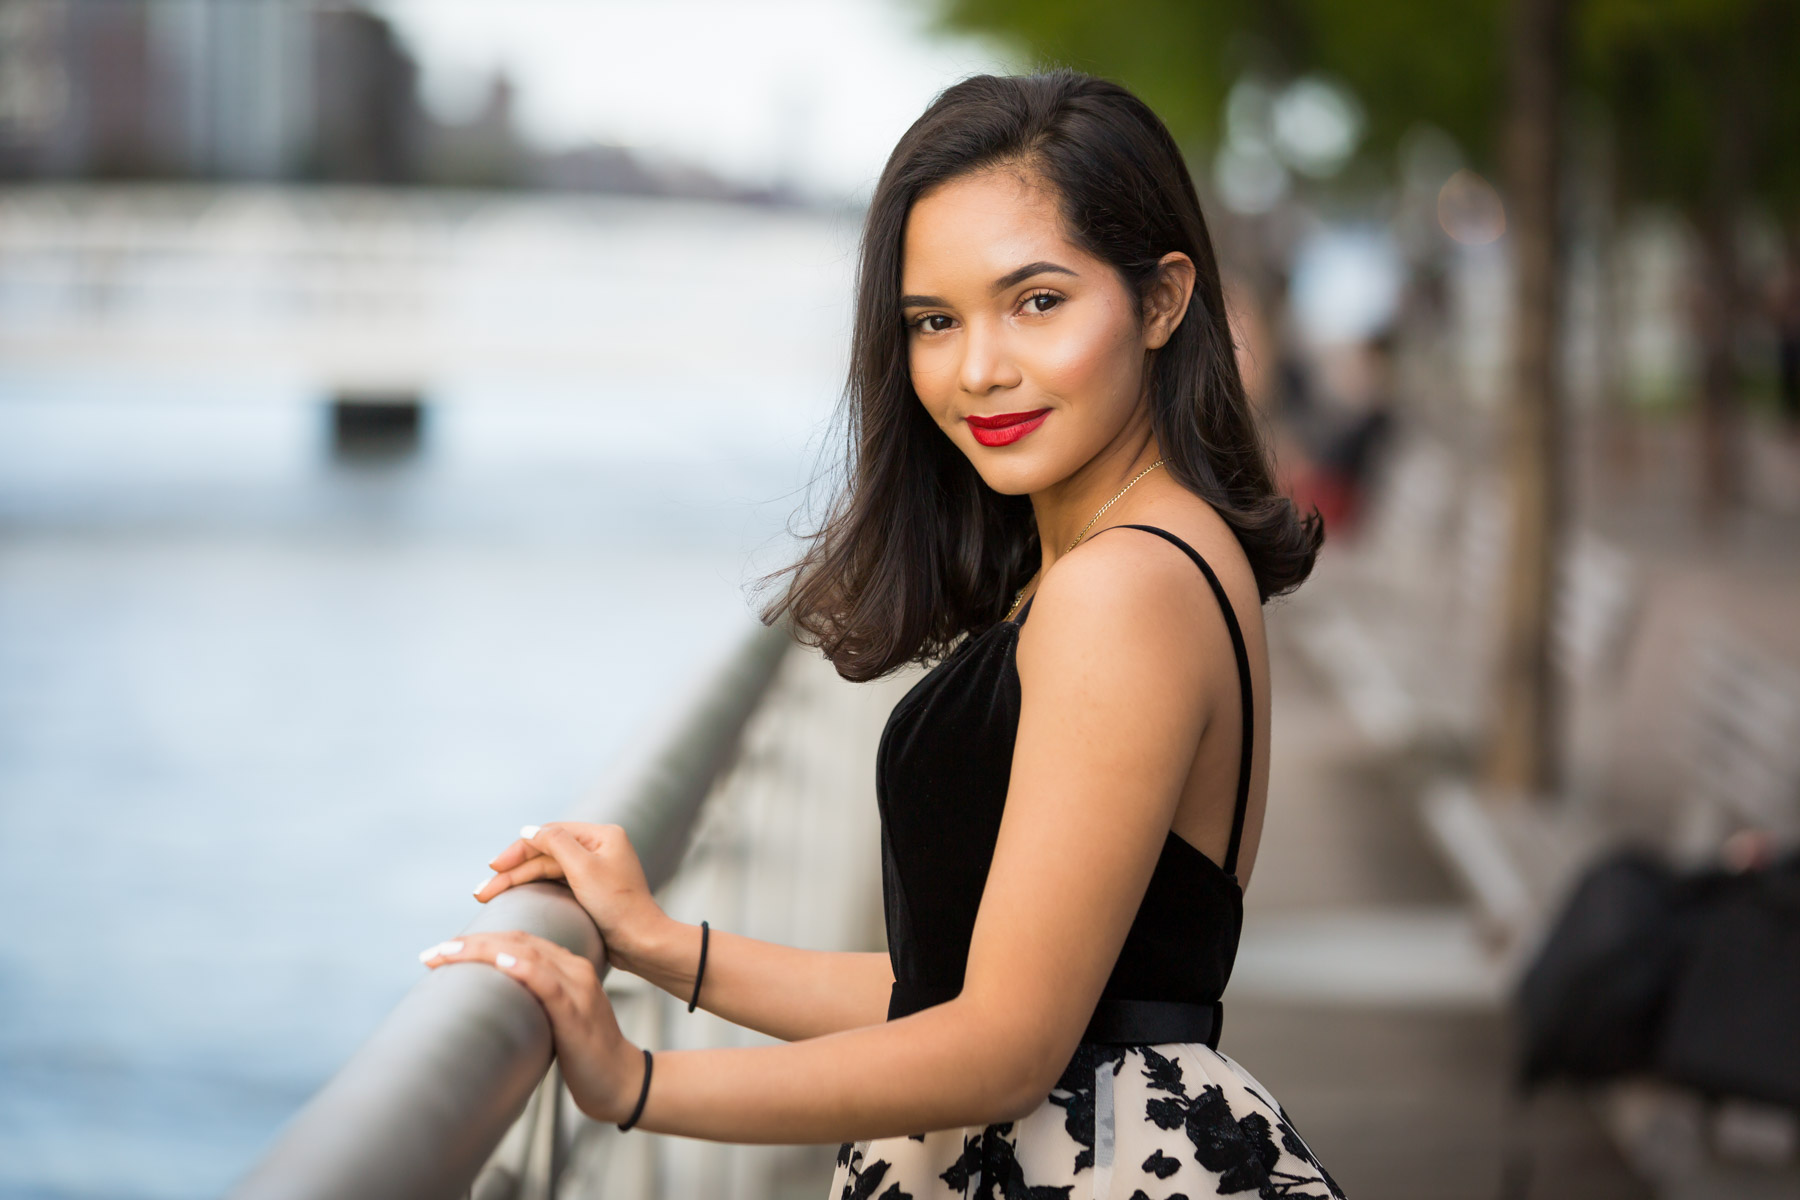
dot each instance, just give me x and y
(779, 990)
(1116, 667)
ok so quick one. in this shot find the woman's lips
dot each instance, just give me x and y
(1005, 428)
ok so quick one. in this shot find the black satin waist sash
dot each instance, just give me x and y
(1115, 1021)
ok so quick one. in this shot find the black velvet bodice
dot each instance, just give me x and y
(941, 779)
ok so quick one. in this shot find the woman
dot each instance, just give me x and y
(1056, 489)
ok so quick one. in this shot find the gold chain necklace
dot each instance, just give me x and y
(1084, 530)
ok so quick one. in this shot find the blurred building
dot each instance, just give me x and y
(235, 79)
(366, 123)
(178, 89)
(485, 149)
(269, 90)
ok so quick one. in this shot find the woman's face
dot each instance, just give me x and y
(1026, 350)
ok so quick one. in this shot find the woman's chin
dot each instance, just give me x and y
(1014, 474)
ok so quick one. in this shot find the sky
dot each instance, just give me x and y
(813, 93)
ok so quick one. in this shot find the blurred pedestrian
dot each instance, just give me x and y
(1345, 436)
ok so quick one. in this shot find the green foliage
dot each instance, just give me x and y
(1180, 56)
(1658, 65)
(1413, 61)
(1406, 60)
(1674, 74)
(1702, 96)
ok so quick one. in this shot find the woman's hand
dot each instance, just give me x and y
(601, 868)
(603, 1070)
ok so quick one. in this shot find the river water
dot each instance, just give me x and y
(265, 712)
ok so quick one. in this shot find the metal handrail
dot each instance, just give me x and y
(420, 1107)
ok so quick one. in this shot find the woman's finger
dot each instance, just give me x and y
(541, 866)
(571, 853)
(549, 972)
(529, 841)
(470, 947)
(515, 853)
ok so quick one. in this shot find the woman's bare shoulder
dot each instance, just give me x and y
(1118, 603)
(1198, 524)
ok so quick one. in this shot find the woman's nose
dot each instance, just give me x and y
(987, 361)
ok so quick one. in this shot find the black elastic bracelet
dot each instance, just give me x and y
(701, 971)
(642, 1095)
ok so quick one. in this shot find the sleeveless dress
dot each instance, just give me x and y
(1147, 1108)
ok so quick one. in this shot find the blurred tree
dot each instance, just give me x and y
(1417, 61)
(1524, 753)
(1706, 121)
(1494, 76)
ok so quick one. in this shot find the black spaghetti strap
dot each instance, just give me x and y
(1244, 690)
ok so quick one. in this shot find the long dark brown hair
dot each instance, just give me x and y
(916, 549)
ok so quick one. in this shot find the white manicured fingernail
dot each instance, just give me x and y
(430, 952)
(481, 885)
(505, 961)
(529, 831)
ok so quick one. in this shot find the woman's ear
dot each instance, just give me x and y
(1166, 301)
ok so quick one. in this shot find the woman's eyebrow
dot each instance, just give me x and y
(1016, 275)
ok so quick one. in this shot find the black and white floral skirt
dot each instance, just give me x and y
(1175, 1121)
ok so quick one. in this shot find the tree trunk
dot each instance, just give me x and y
(1524, 754)
(1620, 456)
(1721, 296)
(1787, 325)
(1721, 435)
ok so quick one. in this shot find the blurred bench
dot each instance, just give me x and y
(1404, 623)
(1682, 687)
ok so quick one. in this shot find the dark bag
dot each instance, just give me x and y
(1732, 1024)
(1591, 1006)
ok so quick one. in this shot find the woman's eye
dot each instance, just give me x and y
(1052, 297)
(924, 322)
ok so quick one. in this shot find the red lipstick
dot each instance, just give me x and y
(1003, 429)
